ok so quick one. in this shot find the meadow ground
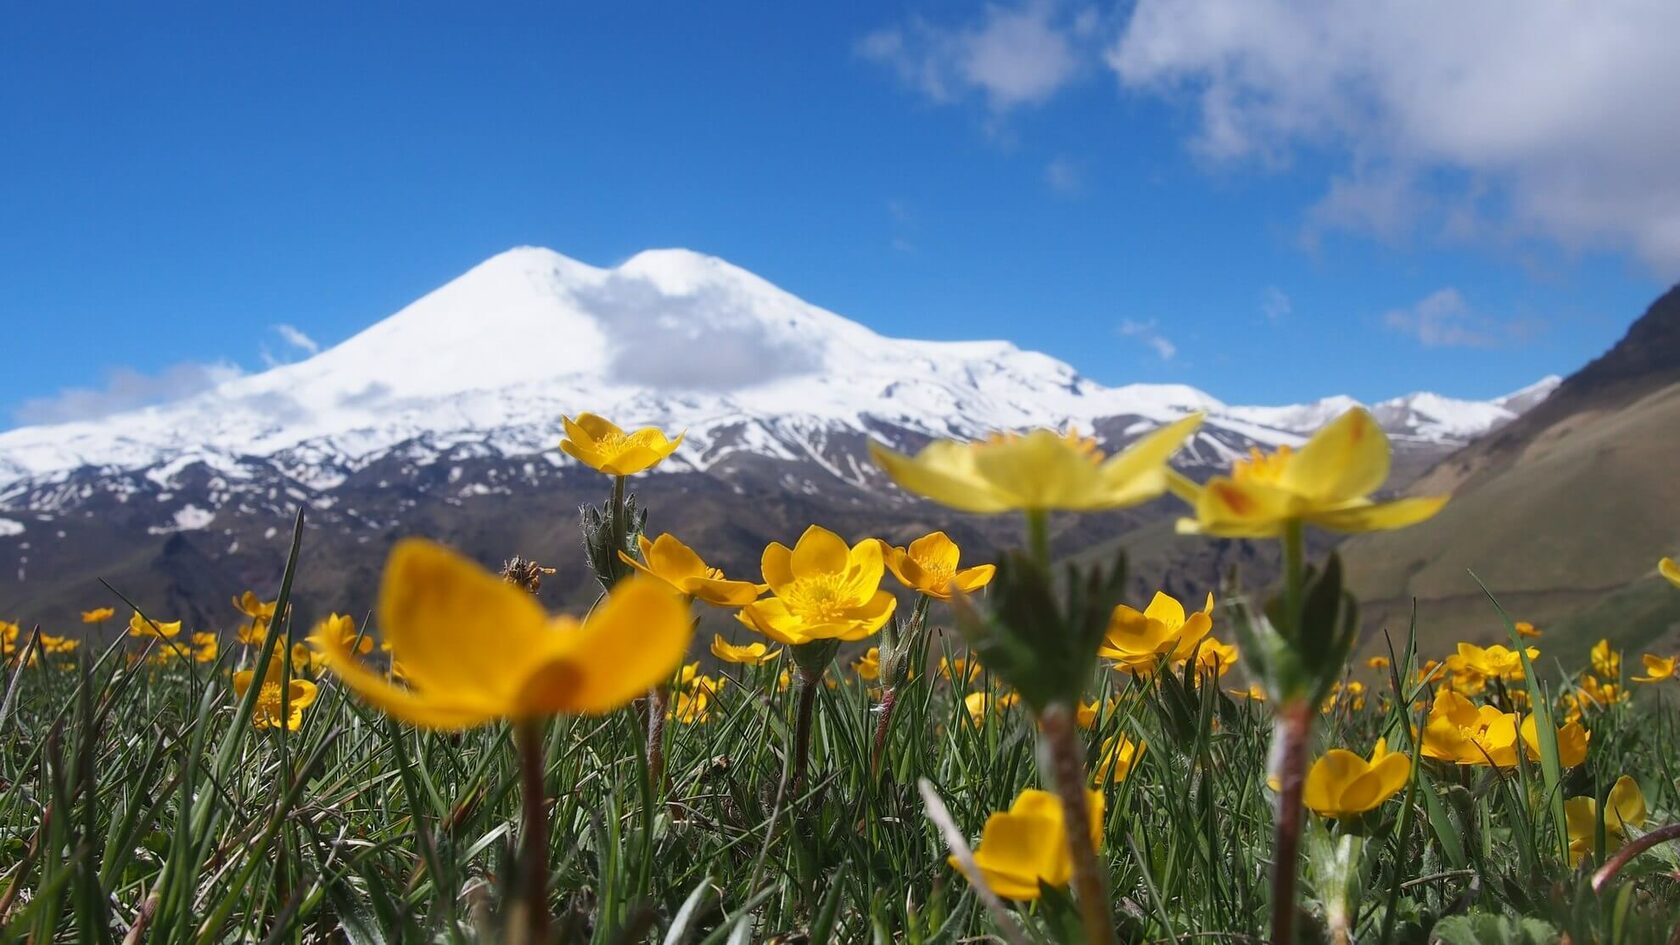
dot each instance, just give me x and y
(494, 778)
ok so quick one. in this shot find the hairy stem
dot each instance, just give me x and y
(1614, 865)
(533, 841)
(1067, 770)
(878, 753)
(1292, 731)
(809, 682)
(659, 701)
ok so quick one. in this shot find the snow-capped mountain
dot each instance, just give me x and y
(444, 419)
(671, 338)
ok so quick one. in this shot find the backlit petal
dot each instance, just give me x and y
(1347, 459)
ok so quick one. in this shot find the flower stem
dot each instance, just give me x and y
(1614, 865)
(1292, 729)
(1067, 770)
(659, 701)
(619, 528)
(808, 684)
(1294, 574)
(528, 737)
(878, 752)
(1038, 536)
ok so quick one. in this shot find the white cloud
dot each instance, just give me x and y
(125, 389)
(295, 337)
(1065, 176)
(1544, 117)
(1275, 303)
(1013, 56)
(1149, 333)
(1445, 319)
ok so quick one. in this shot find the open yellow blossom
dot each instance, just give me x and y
(1624, 808)
(341, 629)
(1606, 662)
(307, 662)
(1137, 640)
(1572, 742)
(475, 649)
(1527, 630)
(52, 644)
(251, 634)
(602, 446)
(691, 707)
(139, 626)
(1378, 662)
(868, 666)
(1027, 845)
(1117, 758)
(676, 564)
(977, 703)
(1657, 668)
(1342, 784)
(821, 590)
(272, 702)
(1459, 731)
(1215, 659)
(98, 614)
(752, 654)
(1085, 713)
(929, 565)
(1472, 665)
(1669, 568)
(1601, 695)
(206, 646)
(1327, 483)
(1037, 471)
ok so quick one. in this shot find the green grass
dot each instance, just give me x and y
(139, 795)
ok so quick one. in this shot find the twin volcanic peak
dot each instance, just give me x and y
(673, 338)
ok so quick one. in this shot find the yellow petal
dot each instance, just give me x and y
(1670, 569)
(631, 642)
(1347, 459)
(1625, 807)
(1140, 472)
(456, 626)
(1248, 509)
(935, 550)
(1041, 470)
(944, 472)
(1381, 516)
(777, 565)
(440, 710)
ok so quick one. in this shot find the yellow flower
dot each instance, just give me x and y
(342, 630)
(1216, 658)
(929, 565)
(821, 590)
(205, 647)
(1008, 700)
(602, 446)
(1602, 695)
(1624, 808)
(676, 564)
(475, 649)
(1351, 696)
(305, 661)
(868, 666)
(1572, 742)
(961, 670)
(254, 607)
(1494, 662)
(1460, 732)
(691, 707)
(784, 679)
(1670, 569)
(1326, 483)
(52, 644)
(1605, 661)
(271, 701)
(1118, 757)
(1027, 845)
(1085, 715)
(98, 614)
(752, 654)
(1342, 784)
(1036, 471)
(1526, 629)
(977, 703)
(1137, 640)
(139, 626)
(1657, 668)
(252, 634)
(1378, 662)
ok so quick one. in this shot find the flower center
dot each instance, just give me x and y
(819, 598)
(1261, 467)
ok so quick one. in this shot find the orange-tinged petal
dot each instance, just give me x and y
(1232, 509)
(631, 642)
(1347, 459)
(456, 626)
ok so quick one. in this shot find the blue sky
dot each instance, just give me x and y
(1150, 191)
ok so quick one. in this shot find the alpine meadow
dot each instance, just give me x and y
(1023, 472)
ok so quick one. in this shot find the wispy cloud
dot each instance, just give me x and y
(1065, 176)
(1013, 56)
(1275, 303)
(125, 389)
(295, 337)
(1502, 120)
(1445, 319)
(1149, 334)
